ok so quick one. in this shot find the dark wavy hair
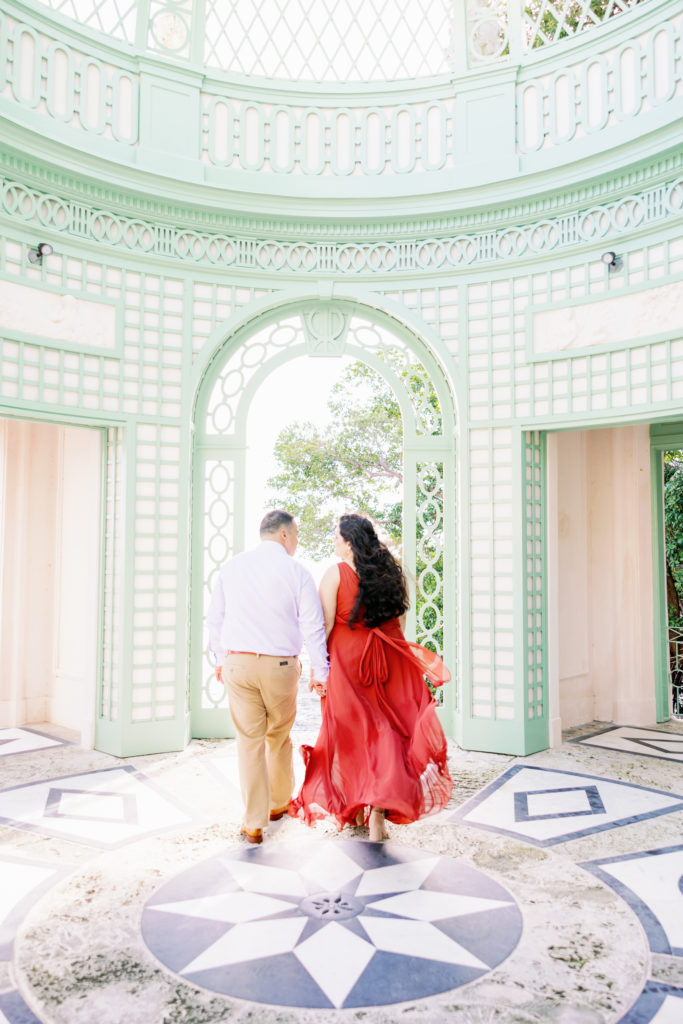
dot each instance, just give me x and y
(382, 593)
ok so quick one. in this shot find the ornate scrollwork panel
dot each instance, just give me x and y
(599, 223)
(534, 612)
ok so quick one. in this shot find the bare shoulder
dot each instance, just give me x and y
(329, 591)
(329, 584)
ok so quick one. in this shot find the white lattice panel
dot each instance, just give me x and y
(213, 304)
(112, 558)
(324, 41)
(156, 583)
(115, 18)
(534, 613)
(219, 507)
(492, 572)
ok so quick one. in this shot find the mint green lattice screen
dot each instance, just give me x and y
(215, 473)
(535, 622)
(426, 523)
(219, 478)
(112, 554)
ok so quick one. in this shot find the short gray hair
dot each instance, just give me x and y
(274, 521)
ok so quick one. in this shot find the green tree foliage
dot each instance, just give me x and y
(354, 464)
(561, 18)
(673, 523)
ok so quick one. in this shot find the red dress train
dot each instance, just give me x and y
(381, 743)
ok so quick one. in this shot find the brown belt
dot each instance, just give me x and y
(256, 654)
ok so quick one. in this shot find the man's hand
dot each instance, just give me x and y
(219, 673)
(316, 686)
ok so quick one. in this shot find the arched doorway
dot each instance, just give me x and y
(325, 330)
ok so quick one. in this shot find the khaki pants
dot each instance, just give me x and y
(262, 691)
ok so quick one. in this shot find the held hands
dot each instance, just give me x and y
(316, 686)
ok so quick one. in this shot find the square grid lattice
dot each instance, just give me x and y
(492, 581)
(212, 304)
(605, 382)
(108, 708)
(492, 516)
(505, 387)
(438, 307)
(153, 342)
(141, 466)
(157, 505)
(49, 376)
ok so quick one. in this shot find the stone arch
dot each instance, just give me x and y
(231, 374)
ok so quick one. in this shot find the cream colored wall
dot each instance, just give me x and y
(49, 533)
(76, 584)
(600, 563)
(28, 571)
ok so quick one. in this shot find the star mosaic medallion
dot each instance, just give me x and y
(331, 924)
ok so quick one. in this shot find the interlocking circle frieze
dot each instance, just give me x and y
(185, 245)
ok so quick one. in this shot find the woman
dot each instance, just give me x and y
(381, 751)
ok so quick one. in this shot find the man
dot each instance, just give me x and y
(264, 604)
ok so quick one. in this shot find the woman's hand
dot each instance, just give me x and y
(315, 685)
(318, 687)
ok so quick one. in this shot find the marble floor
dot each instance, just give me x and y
(636, 740)
(550, 889)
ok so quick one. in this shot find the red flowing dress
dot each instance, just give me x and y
(381, 743)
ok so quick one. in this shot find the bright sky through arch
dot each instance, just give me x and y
(298, 391)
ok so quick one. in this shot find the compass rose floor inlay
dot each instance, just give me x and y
(331, 924)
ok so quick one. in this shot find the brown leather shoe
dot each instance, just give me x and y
(253, 835)
(276, 815)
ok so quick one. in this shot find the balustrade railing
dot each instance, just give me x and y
(49, 75)
(592, 93)
(621, 81)
(285, 139)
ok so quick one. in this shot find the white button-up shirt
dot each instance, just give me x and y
(266, 602)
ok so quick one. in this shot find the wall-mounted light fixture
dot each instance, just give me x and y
(613, 262)
(35, 254)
